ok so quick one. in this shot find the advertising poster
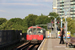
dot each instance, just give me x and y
(60, 35)
(68, 34)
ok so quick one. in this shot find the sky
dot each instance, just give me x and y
(22, 8)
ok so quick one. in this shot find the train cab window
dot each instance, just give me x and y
(34, 31)
(39, 31)
(29, 31)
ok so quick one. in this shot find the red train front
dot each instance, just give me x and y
(35, 33)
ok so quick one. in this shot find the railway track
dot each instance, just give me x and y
(34, 47)
(28, 46)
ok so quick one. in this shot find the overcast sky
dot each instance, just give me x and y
(21, 8)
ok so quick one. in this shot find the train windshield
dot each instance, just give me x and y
(29, 31)
(34, 31)
(39, 31)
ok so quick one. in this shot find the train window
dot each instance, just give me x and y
(39, 30)
(29, 31)
(34, 30)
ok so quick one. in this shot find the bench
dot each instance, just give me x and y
(72, 42)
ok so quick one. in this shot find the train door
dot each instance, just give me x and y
(34, 35)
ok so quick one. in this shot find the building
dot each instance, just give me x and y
(64, 7)
(55, 5)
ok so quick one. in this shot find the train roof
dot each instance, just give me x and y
(35, 27)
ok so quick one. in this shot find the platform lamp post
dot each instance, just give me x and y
(49, 29)
(54, 23)
(61, 17)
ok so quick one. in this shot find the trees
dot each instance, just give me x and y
(42, 19)
(2, 20)
(12, 24)
(71, 24)
(17, 24)
(16, 20)
(30, 20)
(6, 26)
(53, 14)
(25, 25)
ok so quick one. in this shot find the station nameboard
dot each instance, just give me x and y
(49, 25)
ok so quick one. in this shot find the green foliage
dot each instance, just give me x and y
(6, 26)
(12, 24)
(53, 14)
(29, 21)
(2, 20)
(71, 25)
(23, 24)
(32, 20)
(16, 20)
(42, 20)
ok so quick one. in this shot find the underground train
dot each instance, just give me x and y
(35, 34)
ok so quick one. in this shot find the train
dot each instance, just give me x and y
(35, 34)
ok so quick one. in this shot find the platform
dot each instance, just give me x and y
(53, 44)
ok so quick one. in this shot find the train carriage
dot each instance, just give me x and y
(35, 33)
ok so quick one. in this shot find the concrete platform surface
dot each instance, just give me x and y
(53, 44)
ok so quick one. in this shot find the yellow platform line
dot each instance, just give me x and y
(44, 44)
